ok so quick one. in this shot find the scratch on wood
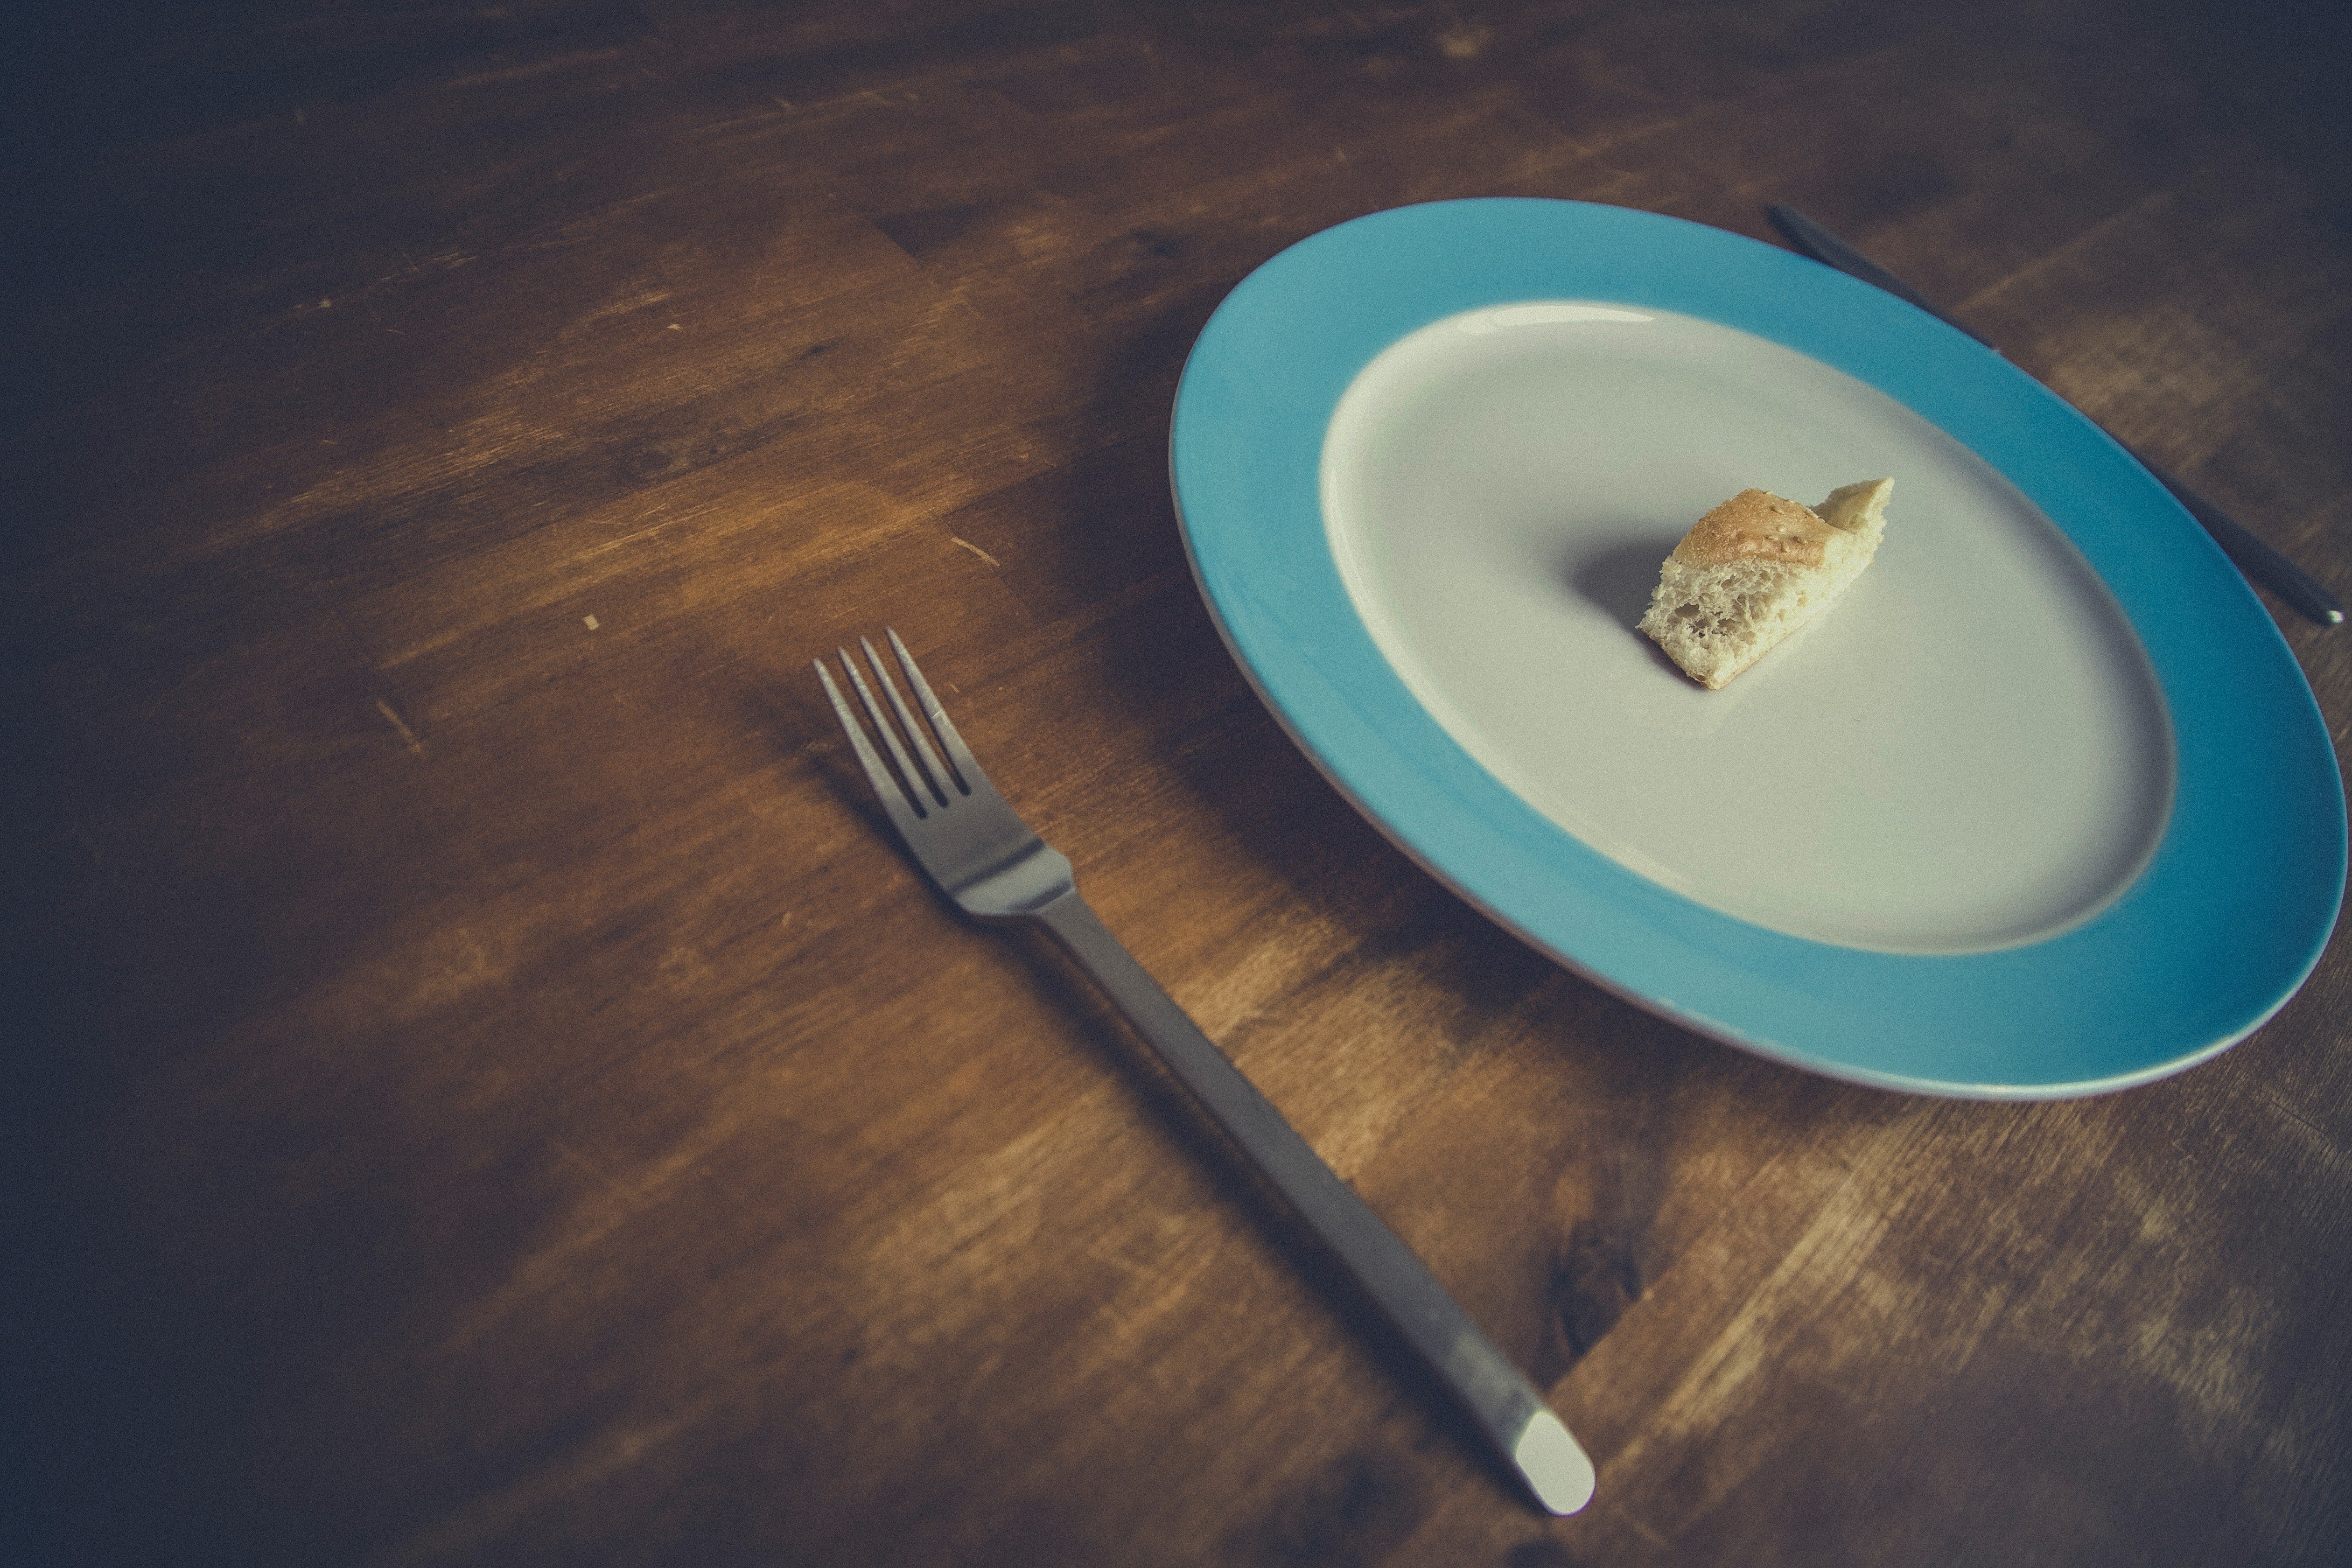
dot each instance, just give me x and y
(405, 732)
(976, 549)
(581, 1470)
(547, 67)
(570, 1155)
(2151, 204)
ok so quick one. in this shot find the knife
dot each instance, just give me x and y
(2256, 559)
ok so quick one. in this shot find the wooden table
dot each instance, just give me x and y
(485, 1089)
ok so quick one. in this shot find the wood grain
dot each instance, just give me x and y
(483, 1086)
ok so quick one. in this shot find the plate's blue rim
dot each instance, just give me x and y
(2224, 924)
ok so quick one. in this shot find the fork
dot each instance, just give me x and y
(985, 858)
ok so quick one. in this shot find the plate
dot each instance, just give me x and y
(2043, 807)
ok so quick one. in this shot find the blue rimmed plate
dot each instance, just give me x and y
(2043, 807)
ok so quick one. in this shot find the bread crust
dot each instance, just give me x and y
(1756, 525)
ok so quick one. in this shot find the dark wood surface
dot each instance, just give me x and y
(484, 1089)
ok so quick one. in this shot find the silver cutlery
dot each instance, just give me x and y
(2253, 557)
(985, 858)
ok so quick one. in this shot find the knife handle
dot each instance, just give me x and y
(2256, 560)
(1509, 1412)
(2254, 557)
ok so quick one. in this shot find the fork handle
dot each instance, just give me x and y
(1508, 1411)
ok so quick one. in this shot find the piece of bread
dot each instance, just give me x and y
(1757, 568)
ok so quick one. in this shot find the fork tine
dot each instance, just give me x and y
(937, 775)
(960, 755)
(894, 800)
(889, 736)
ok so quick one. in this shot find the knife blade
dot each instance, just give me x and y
(2254, 556)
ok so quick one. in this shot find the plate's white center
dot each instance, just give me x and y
(1967, 751)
